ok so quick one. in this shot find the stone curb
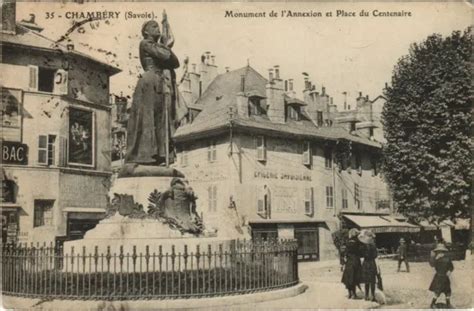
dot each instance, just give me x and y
(21, 303)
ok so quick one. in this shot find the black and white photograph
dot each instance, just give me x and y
(236, 155)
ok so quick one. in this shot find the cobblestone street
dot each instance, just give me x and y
(403, 290)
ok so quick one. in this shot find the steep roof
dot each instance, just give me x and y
(220, 97)
(23, 37)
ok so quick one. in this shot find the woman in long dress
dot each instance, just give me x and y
(147, 132)
(352, 266)
(369, 267)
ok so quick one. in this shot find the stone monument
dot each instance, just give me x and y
(152, 204)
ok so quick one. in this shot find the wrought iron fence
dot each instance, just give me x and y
(50, 272)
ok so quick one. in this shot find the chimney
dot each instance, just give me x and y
(242, 100)
(275, 101)
(360, 100)
(8, 16)
(323, 91)
(286, 85)
(277, 72)
(227, 69)
(290, 85)
(213, 59)
(270, 75)
(306, 84)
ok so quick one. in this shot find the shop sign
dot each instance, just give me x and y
(14, 153)
(282, 176)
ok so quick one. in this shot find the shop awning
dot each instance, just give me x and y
(9, 207)
(459, 224)
(380, 224)
(84, 210)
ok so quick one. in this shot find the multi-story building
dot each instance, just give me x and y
(55, 135)
(263, 166)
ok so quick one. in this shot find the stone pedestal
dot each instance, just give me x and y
(122, 235)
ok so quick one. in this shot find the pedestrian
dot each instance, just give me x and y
(403, 255)
(369, 267)
(352, 266)
(444, 267)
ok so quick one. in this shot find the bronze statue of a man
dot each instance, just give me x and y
(153, 118)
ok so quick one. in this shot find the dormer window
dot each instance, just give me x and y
(255, 108)
(353, 126)
(320, 118)
(293, 112)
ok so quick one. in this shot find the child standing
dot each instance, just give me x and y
(444, 267)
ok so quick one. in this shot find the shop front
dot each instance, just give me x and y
(388, 229)
(306, 234)
(81, 220)
(10, 223)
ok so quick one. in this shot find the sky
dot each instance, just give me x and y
(344, 54)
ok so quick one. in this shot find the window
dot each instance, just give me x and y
(48, 80)
(212, 152)
(293, 112)
(263, 202)
(260, 144)
(345, 204)
(309, 201)
(254, 106)
(307, 155)
(358, 164)
(374, 167)
(46, 149)
(320, 118)
(329, 197)
(212, 198)
(327, 158)
(357, 196)
(371, 132)
(43, 213)
(81, 146)
(352, 126)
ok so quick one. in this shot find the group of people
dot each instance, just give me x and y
(360, 245)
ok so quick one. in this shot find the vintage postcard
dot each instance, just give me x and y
(236, 155)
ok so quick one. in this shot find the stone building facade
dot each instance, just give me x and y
(263, 167)
(55, 131)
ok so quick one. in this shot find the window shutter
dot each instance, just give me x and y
(33, 81)
(214, 152)
(214, 198)
(62, 151)
(61, 82)
(209, 197)
(184, 158)
(209, 153)
(43, 149)
(307, 153)
(261, 202)
(309, 201)
(261, 151)
(51, 150)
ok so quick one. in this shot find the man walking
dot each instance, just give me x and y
(403, 255)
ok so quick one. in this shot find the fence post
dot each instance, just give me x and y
(147, 262)
(185, 258)
(173, 257)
